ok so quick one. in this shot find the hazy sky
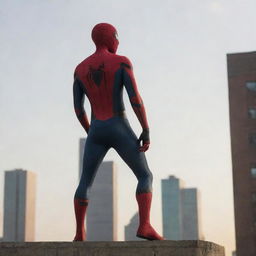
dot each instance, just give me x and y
(178, 49)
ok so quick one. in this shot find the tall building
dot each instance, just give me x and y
(81, 155)
(130, 230)
(19, 206)
(1, 225)
(242, 109)
(191, 214)
(171, 208)
(101, 219)
(180, 210)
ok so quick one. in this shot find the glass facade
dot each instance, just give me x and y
(180, 209)
(171, 208)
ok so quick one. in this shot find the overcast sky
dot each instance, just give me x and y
(178, 49)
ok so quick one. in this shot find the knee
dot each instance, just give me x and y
(82, 192)
(149, 177)
(145, 182)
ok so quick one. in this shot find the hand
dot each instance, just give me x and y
(144, 137)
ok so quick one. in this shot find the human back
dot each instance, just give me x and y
(101, 78)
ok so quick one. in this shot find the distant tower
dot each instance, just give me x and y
(130, 230)
(19, 206)
(81, 155)
(190, 204)
(242, 109)
(102, 210)
(181, 211)
(171, 208)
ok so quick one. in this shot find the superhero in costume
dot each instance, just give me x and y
(102, 77)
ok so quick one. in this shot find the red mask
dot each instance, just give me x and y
(104, 35)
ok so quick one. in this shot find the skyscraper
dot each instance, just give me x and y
(81, 155)
(171, 208)
(130, 230)
(190, 214)
(1, 225)
(19, 206)
(101, 219)
(181, 211)
(242, 109)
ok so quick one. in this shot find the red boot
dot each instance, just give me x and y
(80, 206)
(145, 229)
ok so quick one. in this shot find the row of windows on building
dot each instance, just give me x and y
(251, 86)
(253, 174)
(252, 110)
(252, 137)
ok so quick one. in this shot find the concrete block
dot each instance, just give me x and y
(141, 248)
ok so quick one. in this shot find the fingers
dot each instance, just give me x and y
(144, 148)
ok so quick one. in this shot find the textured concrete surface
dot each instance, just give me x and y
(142, 248)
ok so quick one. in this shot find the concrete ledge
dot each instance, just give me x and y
(138, 248)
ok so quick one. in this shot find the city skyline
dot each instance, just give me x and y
(179, 54)
(181, 210)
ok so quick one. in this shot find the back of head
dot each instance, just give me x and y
(104, 35)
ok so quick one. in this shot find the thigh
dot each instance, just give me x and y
(127, 146)
(93, 156)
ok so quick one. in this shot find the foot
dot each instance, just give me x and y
(80, 236)
(147, 232)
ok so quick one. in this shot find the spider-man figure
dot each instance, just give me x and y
(101, 77)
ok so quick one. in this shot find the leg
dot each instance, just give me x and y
(128, 148)
(93, 156)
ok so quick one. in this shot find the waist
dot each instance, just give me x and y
(120, 114)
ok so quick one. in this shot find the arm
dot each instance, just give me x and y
(136, 102)
(78, 97)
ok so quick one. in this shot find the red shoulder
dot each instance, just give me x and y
(125, 62)
(81, 66)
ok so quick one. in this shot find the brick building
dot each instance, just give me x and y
(242, 107)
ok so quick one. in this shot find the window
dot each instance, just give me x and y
(252, 139)
(251, 86)
(252, 113)
(254, 197)
(253, 172)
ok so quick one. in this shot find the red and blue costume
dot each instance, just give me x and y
(101, 77)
